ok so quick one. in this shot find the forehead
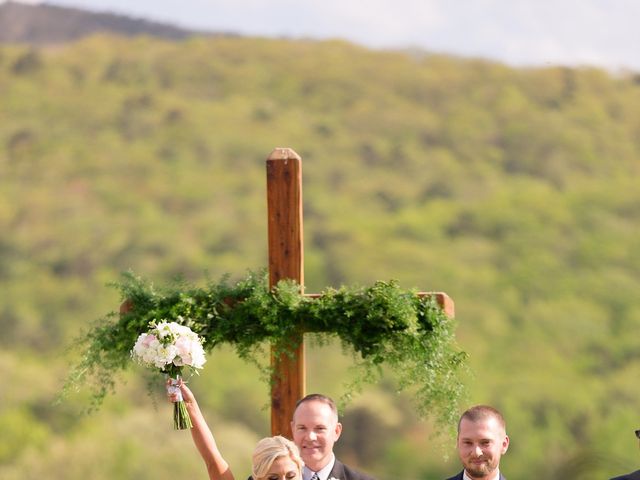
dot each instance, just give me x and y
(483, 428)
(283, 465)
(314, 411)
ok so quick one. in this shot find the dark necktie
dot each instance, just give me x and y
(314, 476)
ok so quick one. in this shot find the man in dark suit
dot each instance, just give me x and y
(315, 428)
(482, 440)
(631, 476)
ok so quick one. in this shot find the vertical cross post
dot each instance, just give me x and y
(284, 205)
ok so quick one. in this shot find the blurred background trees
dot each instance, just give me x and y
(513, 190)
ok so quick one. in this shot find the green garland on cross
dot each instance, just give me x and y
(380, 324)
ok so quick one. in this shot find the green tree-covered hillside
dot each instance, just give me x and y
(513, 190)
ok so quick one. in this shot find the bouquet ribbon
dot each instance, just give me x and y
(181, 418)
(174, 389)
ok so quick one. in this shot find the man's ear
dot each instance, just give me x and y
(505, 444)
(338, 430)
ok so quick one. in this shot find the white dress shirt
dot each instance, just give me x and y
(323, 473)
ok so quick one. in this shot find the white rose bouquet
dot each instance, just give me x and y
(170, 347)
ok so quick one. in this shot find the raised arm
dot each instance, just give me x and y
(217, 467)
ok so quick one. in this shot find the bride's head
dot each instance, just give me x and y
(276, 458)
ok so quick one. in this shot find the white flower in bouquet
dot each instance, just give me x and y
(170, 346)
(167, 345)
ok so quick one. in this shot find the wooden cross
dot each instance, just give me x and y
(284, 205)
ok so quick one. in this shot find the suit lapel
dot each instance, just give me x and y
(337, 471)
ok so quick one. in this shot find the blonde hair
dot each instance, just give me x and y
(268, 450)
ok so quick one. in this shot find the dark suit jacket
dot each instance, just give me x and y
(629, 476)
(460, 476)
(341, 472)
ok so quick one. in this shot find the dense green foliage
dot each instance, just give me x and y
(379, 324)
(513, 190)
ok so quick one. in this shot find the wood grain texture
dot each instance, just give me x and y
(286, 261)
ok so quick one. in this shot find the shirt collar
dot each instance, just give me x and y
(323, 473)
(495, 477)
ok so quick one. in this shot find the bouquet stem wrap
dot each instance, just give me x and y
(181, 418)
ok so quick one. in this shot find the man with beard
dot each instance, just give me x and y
(482, 440)
(631, 476)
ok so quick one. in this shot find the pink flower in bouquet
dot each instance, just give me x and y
(183, 347)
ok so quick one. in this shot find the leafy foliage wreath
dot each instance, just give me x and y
(380, 324)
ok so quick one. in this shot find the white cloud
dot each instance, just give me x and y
(601, 32)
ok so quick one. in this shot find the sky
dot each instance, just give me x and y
(601, 33)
